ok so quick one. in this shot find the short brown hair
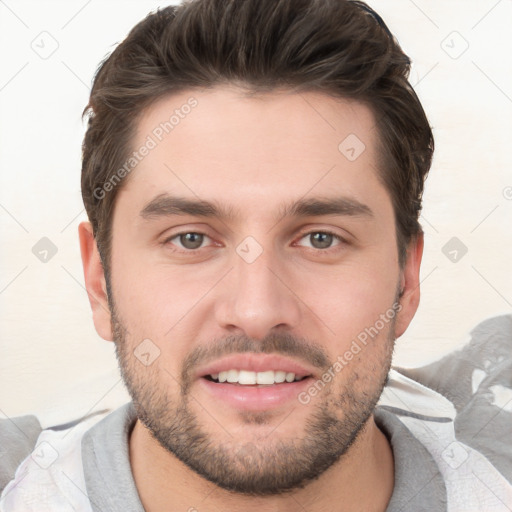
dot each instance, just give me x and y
(338, 47)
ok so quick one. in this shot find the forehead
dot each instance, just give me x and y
(222, 144)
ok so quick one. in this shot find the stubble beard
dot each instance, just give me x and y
(259, 466)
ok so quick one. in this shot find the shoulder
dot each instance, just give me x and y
(477, 381)
(42, 467)
(18, 438)
(460, 409)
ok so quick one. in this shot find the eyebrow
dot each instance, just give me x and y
(165, 205)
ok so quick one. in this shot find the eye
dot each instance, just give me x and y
(321, 239)
(189, 240)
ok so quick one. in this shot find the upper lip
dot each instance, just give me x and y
(254, 363)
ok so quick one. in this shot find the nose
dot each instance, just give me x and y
(256, 297)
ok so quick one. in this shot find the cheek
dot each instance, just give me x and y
(351, 297)
(161, 302)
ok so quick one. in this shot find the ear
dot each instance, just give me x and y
(95, 281)
(410, 284)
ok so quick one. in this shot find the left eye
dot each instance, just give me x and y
(321, 239)
(189, 241)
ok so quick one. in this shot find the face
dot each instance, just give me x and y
(255, 243)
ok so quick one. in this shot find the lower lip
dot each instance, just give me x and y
(254, 398)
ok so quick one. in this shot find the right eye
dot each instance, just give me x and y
(189, 240)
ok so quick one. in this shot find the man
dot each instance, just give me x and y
(253, 173)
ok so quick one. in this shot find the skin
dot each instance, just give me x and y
(253, 156)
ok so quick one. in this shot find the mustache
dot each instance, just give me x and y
(273, 343)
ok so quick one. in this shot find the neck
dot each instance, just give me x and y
(361, 480)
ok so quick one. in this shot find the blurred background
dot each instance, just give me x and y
(53, 363)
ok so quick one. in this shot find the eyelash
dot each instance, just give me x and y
(340, 239)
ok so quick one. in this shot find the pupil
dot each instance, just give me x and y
(321, 240)
(191, 240)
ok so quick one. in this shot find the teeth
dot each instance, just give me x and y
(232, 376)
(265, 377)
(245, 377)
(279, 376)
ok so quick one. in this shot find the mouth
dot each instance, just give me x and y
(256, 382)
(251, 369)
